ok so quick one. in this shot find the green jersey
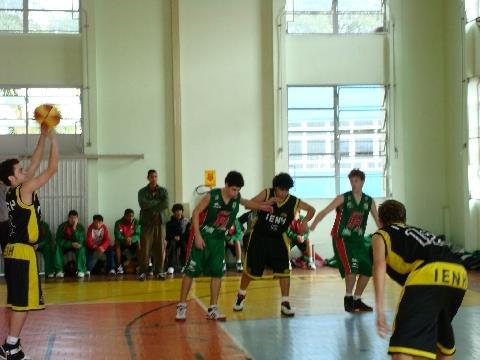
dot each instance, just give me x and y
(351, 219)
(219, 217)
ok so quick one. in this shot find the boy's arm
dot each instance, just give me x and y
(89, 241)
(79, 234)
(254, 205)
(136, 234)
(333, 205)
(61, 238)
(379, 270)
(310, 212)
(106, 239)
(28, 187)
(374, 213)
(202, 205)
(116, 231)
(37, 153)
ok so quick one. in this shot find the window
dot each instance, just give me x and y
(472, 9)
(40, 16)
(18, 104)
(335, 16)
(333, 129)
(474, 138)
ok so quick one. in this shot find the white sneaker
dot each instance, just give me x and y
(215, 314)
(181, 312)
(60, 275)
(311, 265)
(51, 275)
(120, 270)
(112, 272)
(286, 309)
(238, 306)
(239, 267)
(170, 270)
(80, 275)
(87, 273)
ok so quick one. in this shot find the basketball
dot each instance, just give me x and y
(47, 114)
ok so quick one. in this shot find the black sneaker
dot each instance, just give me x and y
(286, 310)
(360, 306)
(348, 303)
(12, 352)
(238, 306)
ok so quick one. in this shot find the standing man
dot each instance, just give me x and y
(153, 201)
(353, 258)
(269, 245)
(24, 291)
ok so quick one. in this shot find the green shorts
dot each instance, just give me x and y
(210, 261)
(352, 256)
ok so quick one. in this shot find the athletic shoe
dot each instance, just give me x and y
(161, 276)
(60, 275)
(215, 314)
(170, 270)
(12, 352)
(51, 275)
(150, 273)
(239, 267)
(80, 275)
(141, 277)
(181, 312)
(120, 270)
(311, 265)
(87, 273)
(286, 309)
(348, 304)
(112, 272)
(238, 306)
(360, 306)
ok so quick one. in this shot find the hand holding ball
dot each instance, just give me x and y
(47, 115)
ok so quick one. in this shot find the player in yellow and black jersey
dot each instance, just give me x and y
(434, 283)
(24, 292)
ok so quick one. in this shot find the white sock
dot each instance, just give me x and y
(183, 303)
(284, 298)
(310, 260)
(242, 292)
(12, 340)
(356, 297)
(212, 306)
(348, 294)
(239, 261)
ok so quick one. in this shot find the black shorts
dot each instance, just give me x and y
(272, 252)
(21, 275)
(423, 323)
(3, 234)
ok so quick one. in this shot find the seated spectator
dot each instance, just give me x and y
(176, 239)
(301, 241)
(234, 237)
(47, 246)
(98, 245)
(127, 238)
(70, 239)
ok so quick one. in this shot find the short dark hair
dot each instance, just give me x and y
(234, 178)
(7, 169)
(151, 171)
(73, 213)
(392, 211)
(98, 217)
(128, 211)
(357, 173)
(177, 207)
(282, 181)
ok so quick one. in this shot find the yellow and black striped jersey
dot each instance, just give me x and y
(23, 219)
(409, 248)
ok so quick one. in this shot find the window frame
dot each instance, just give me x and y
(337, 133)
(473, 121)
(26, 25)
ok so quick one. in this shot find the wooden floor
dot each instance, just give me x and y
(122, 318)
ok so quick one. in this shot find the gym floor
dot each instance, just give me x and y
(122, 318)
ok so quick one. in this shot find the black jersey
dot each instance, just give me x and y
(277, 222)
(408, 248)
(24, 219)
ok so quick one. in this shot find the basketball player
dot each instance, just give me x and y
(219, 210)
(434, 283)
(269, 245)
(24, 292)
(353, 258)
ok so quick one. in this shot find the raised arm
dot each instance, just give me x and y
(35, 183)
(37, 153)
(379, 270)
(374, 213)
(333, 205)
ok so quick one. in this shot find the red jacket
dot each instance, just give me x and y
(98, 238)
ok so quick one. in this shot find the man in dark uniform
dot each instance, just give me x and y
(434, 283)
(21, 271)
(268, 245)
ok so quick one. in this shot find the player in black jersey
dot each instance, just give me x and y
(24, 292)
(434, 283)
(268, 244)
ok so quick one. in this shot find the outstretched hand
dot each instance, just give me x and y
(266, 208)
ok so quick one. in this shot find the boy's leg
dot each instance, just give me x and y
(17, 320)
(185, 289)
(146, 240)
(58, 259)
(158, 249)
(118, 253)
(81, 258)
(110, 260)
